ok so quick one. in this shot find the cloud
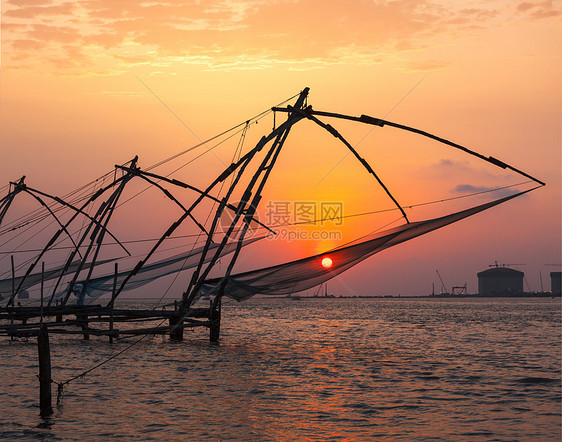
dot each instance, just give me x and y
(447, 163)
(427, 65)
(22, 45)
(58, 34)
(34, 11)
(470, 189)
(23, 3)
(541, 9)
(302, 34)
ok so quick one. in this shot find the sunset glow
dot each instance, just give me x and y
(86, 85)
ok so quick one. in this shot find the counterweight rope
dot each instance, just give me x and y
(314, 221)
(60, 385)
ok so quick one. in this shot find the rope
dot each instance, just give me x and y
(60, 385)
(60, 388)
(133, 241)
(256, 117)
(314, 221)
(239, 147)
(89, 370)
(181, 167)
(38, 216)
(392, 209)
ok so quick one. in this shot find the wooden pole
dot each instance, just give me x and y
(111, 307)
(45, 398)
(85, 326)
(215, 320)
(42, 284)
(13, 278)
(176, 326)
(13, 291)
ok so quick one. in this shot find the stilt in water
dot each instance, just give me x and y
(111, 311)
(13, 291)
(84, 325)
(176, 329)
(42, 286)
(215, 320)
(45, 404)
(58, 317)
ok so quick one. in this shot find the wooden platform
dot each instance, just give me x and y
(97, 320)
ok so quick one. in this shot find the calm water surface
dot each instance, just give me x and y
(351, 369)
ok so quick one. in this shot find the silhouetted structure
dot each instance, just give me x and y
(500, 281)
(555, 282)
(86, 225)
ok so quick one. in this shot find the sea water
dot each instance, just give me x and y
(314, 369)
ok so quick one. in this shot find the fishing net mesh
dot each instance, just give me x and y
(304, 274)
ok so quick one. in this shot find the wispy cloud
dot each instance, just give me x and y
(229, 34)
(540, 9)
(446, 163)
(471, 189)
(29, 11)
(427, 65)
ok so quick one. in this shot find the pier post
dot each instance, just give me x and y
(111, 306)
(215, 321)
(45, 404)
(59, 316)
(176, 327)
(84, 325)
(111, 325)
(12, 299)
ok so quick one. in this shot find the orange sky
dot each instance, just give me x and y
(485, 74)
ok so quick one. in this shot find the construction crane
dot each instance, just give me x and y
(443, 288)
(459, 290)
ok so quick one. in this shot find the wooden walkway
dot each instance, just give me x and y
(97, 320)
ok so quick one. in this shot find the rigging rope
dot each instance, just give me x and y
(314, 221)
(211, 210)
(256, 117)
(36, 215)
(77, 197)
(392, 209)
(60, 385)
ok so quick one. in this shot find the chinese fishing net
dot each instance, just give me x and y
(101, 285)
(303, 274)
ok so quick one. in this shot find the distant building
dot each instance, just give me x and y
(500, 281)
(555, 282)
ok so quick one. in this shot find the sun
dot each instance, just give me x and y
(327, 262)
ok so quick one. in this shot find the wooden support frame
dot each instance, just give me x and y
(246, 207)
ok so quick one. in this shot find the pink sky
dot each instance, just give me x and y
(485, 74)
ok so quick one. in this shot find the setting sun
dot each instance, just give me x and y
(96, 83)
(282, 219)
(327, 263)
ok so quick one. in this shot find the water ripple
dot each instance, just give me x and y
(310, 370)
